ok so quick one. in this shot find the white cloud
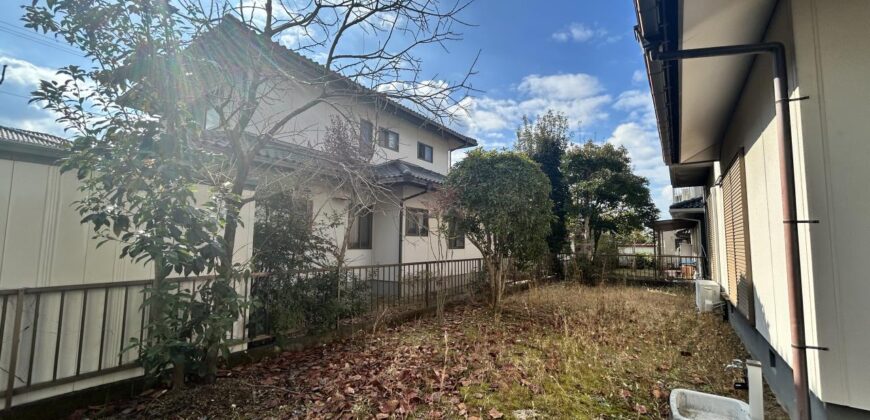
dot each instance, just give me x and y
(638, 77)
(26, 74)
(638, 104)
(561, 86)
(642, 143)
(579, 32)
(579, 96)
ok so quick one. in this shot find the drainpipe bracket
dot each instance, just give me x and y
(810, 347)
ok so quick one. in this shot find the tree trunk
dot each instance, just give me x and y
(225, 271)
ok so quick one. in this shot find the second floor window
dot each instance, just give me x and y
(366, 132)
(361, 232)
(417, 222)
(389, 139)
(424, 152)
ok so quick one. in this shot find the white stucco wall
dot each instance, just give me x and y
(309, 127)
(434, 246)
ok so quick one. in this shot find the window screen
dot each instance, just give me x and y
(389, 139)
(361, 232)
(424, 152)
(417, 222)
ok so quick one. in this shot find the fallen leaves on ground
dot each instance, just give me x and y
(562, 351)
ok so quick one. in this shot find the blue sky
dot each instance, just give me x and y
(577, 57)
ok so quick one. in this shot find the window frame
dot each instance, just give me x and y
(357, 228)
(211, 114)
(371, 131)
(455, 239)
(422, 227)
(383, 139)
(421, 147)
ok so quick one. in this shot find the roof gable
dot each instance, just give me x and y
(234, 32)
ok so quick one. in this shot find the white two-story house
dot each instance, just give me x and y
(411, 159)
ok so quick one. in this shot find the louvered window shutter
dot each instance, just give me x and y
(740, 291)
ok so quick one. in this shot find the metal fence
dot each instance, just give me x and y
(637, 267)
(362, 292)
(53, 338)
(57, 335)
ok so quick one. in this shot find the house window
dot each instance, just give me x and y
(417, 222)
(366, 131)
(424, 152)
(361, 232)
(389, 139)
(212, 119)
(455, 237)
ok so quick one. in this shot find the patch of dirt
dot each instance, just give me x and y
(562, 351)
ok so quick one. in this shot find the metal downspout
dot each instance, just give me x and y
(787, 190)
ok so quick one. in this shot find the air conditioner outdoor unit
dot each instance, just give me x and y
(706, 295)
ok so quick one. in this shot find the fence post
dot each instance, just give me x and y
(16, 340)
(428, 280)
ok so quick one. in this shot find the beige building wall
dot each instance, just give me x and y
(44, 244)
(434, 246)
(309, 127)
(833, 64)
(829, 64)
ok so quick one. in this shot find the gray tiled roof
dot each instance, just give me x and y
(31, 138)
(692, 203)
(398, 171)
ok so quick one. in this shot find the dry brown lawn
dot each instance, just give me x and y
(560, 351)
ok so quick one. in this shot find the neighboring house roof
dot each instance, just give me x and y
(238, 31)
(689, 208)
(33, 138)
(692, 203)
(285, 155)
(398, 171)
(17, 143)
(673, 224)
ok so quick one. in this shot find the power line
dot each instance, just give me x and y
(14, 94)
(41, 36)
(29, 37)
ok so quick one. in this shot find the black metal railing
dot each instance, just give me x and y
(635, 267)
(54, 336)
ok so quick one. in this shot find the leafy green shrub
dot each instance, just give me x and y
(296, 304)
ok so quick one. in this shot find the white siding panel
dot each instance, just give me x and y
(833, 63)
(24, 223)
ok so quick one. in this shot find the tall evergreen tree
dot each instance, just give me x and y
(545, 141)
